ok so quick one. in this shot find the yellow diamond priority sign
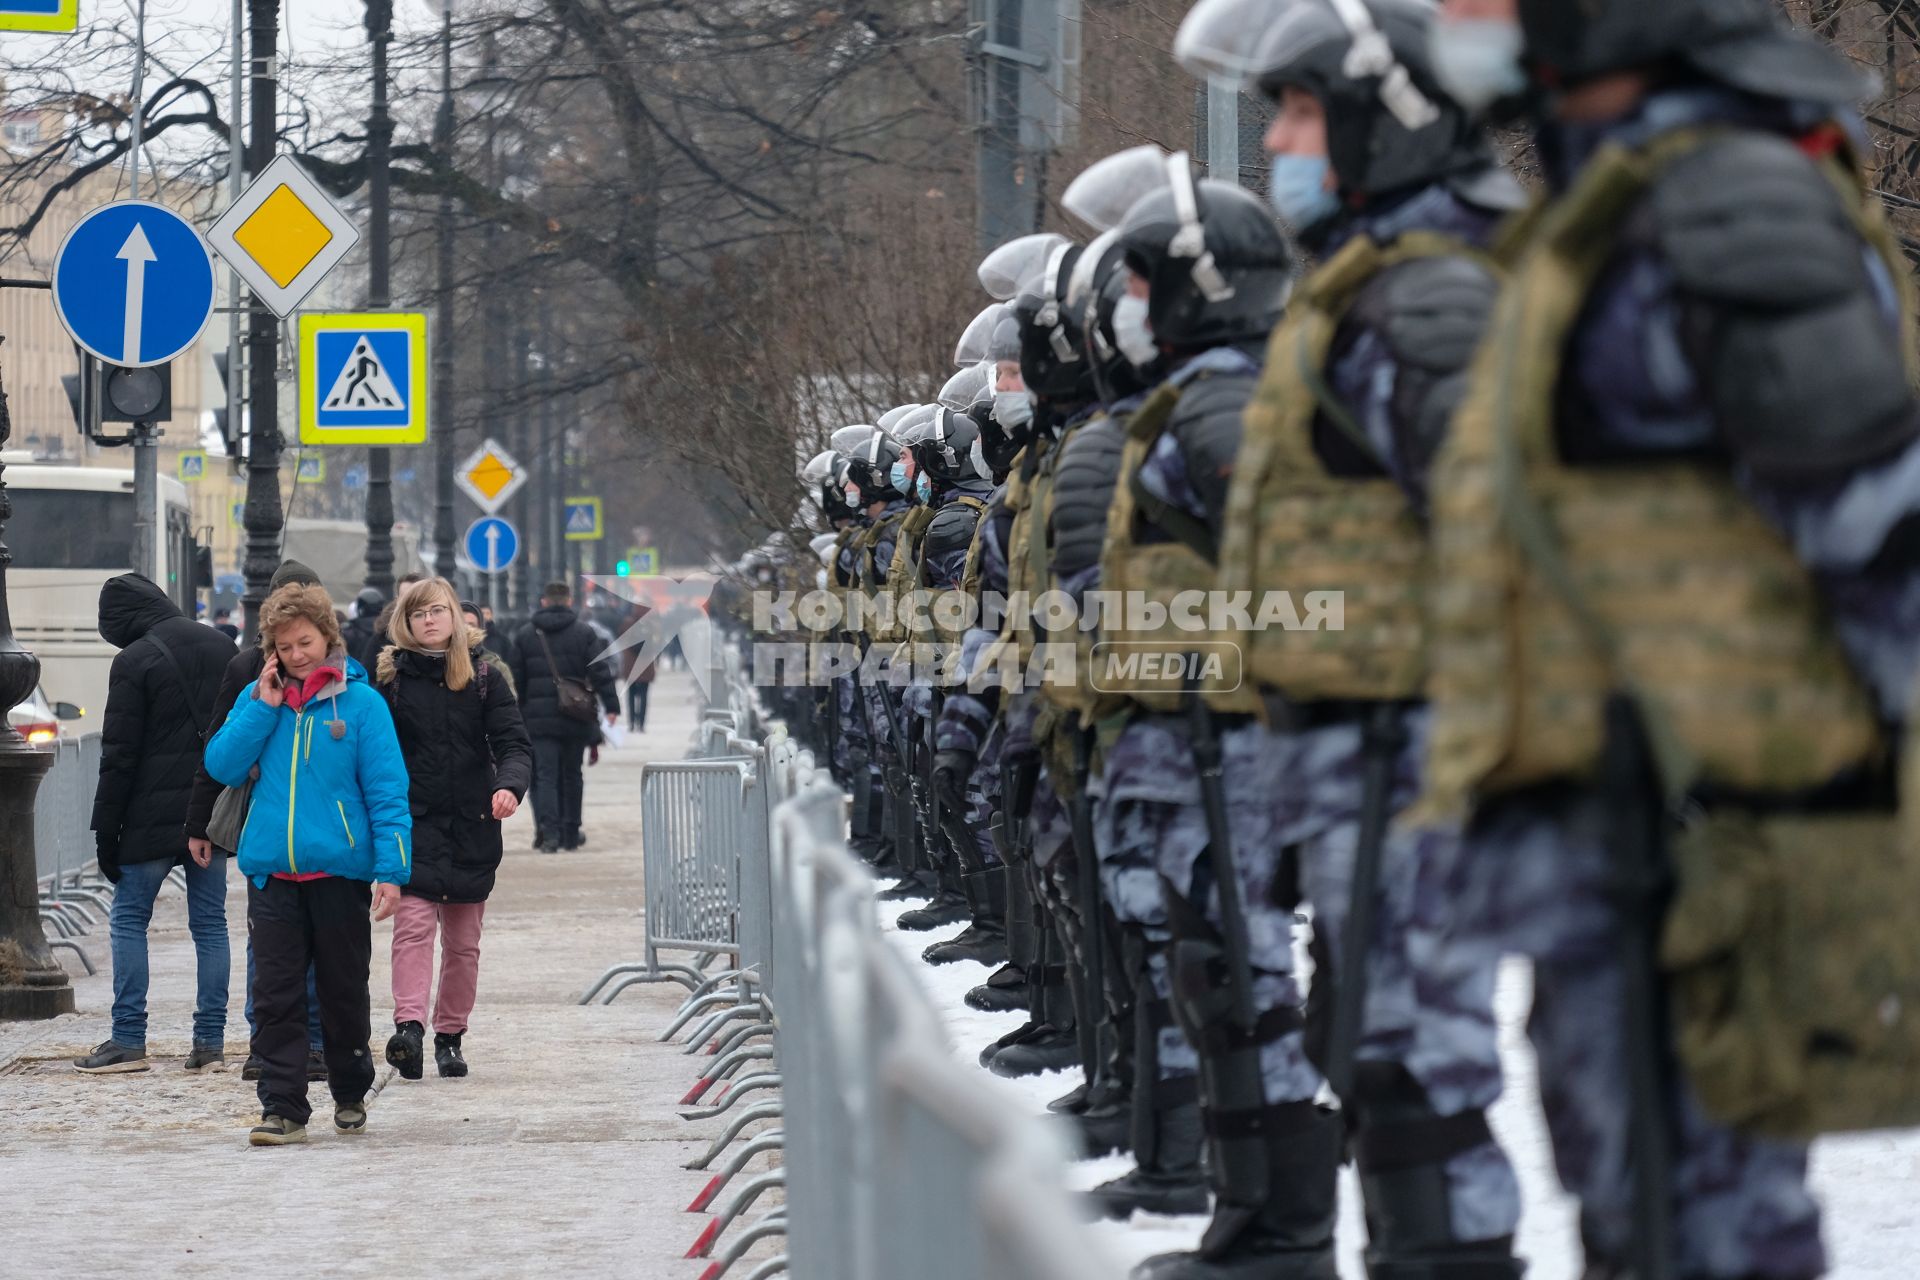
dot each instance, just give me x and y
(490, 476)
(283, 235)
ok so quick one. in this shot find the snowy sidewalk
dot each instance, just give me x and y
(560, 1154)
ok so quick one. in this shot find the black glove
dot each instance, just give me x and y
(107, 853)
(951, 769)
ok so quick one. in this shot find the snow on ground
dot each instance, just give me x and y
(1870, 1184)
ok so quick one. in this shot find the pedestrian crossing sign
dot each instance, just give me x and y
(237, 514)
(363, 378)
(583, 520)
(193, 465)
(311, 469)
(39, 15)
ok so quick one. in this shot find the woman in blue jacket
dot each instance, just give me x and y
(328, 836)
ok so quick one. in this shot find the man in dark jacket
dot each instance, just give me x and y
(242, 669)
(556, 645)
(159, 694)
(364, 634)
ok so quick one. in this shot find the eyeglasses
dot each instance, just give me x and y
(431, 611)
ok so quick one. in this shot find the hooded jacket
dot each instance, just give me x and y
(577, 650)
(461, 747)
(323, 803)
(159, 693)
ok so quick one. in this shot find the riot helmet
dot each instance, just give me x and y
(1743, 44)
(977, 336)
(1217, 266)
(968, 386)
(946, 449)
(890, 420)
(826, 547)
(1107, 188)
(1389, 127)
(870, 454)
(1099, 283)
(1051, 363)
(1006, 269)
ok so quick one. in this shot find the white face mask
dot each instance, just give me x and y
(1012, 409)
(1477, 60)
(980, 467)
(1132, 334)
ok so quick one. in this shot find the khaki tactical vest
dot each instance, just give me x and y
(873, 574)
(1296, 528)
(1149, 665)
(1026, 495)
(1555, 585)
(903, 576)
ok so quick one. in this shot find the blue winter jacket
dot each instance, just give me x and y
(322, 803)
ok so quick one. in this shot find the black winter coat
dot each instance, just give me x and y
(577, 650)
(461, 747)
(156, 713)
(242, 670)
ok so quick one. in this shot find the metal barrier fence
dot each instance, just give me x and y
(73, 895)
(897, 1160)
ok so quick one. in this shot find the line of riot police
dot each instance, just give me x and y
(1619, 487)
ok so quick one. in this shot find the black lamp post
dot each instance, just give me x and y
(32, 983)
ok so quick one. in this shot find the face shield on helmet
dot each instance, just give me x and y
(1217, 38)
(967, 386)
(890, 420)
(1007, 268)
(848, 441)
(819, 468)
(1107, 188)
(823, 547)
(976, 340)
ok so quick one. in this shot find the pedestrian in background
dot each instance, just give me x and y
(468, 765)
(243, 668)
(495, 659)
(639, 678)
(365, 627)
(329, 836)
(160, 691)
(562, 677)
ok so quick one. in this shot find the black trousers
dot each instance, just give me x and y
(557, 786)
(325, 923)
(637, 705)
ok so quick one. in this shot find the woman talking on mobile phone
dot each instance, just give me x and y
(328, 836)
(469, 762)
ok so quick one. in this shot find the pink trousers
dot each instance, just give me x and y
(413, 929)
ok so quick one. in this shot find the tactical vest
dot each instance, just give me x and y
(1025, 497)
(902, 576)
(838, 584)
(1293, 526)
(1148, 665)
(1555, 584)
(940, 630)
(873, 574)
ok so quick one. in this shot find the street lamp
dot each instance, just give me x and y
(32, 983)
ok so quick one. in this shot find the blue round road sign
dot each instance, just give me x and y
(133, 283)
(492, 543)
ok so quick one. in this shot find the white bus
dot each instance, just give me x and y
(71, 530)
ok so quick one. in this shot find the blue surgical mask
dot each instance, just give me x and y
(1477, 60)
(897, 477)
(1299, 191)
(923, 486)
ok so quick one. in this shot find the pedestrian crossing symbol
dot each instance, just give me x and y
(363, 378)
(583, 520)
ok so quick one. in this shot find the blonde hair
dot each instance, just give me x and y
(297, 602)
(419, 595)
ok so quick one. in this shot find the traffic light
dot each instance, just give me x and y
(137, 395)
(623, 568)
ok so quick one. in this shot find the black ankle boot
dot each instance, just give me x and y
(403, 1049)
(1167, 1138)
(446, 1052)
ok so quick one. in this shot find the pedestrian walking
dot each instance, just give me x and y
(159, 693)
(561, 677)
(328, 836)
(469, 763)
(243, 668)
(639, 678)
(495, 658)
(365, 628)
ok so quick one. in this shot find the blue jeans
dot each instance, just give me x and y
(313, 1002)
(206, 919)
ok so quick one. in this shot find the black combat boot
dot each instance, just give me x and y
(1167, 1137)
(985, 940)
(1007, 991)
(1049, 1041)
(1286, 1232)
(404, 1049)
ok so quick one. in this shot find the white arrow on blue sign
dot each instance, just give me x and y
(492, 543)
(133, 283)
